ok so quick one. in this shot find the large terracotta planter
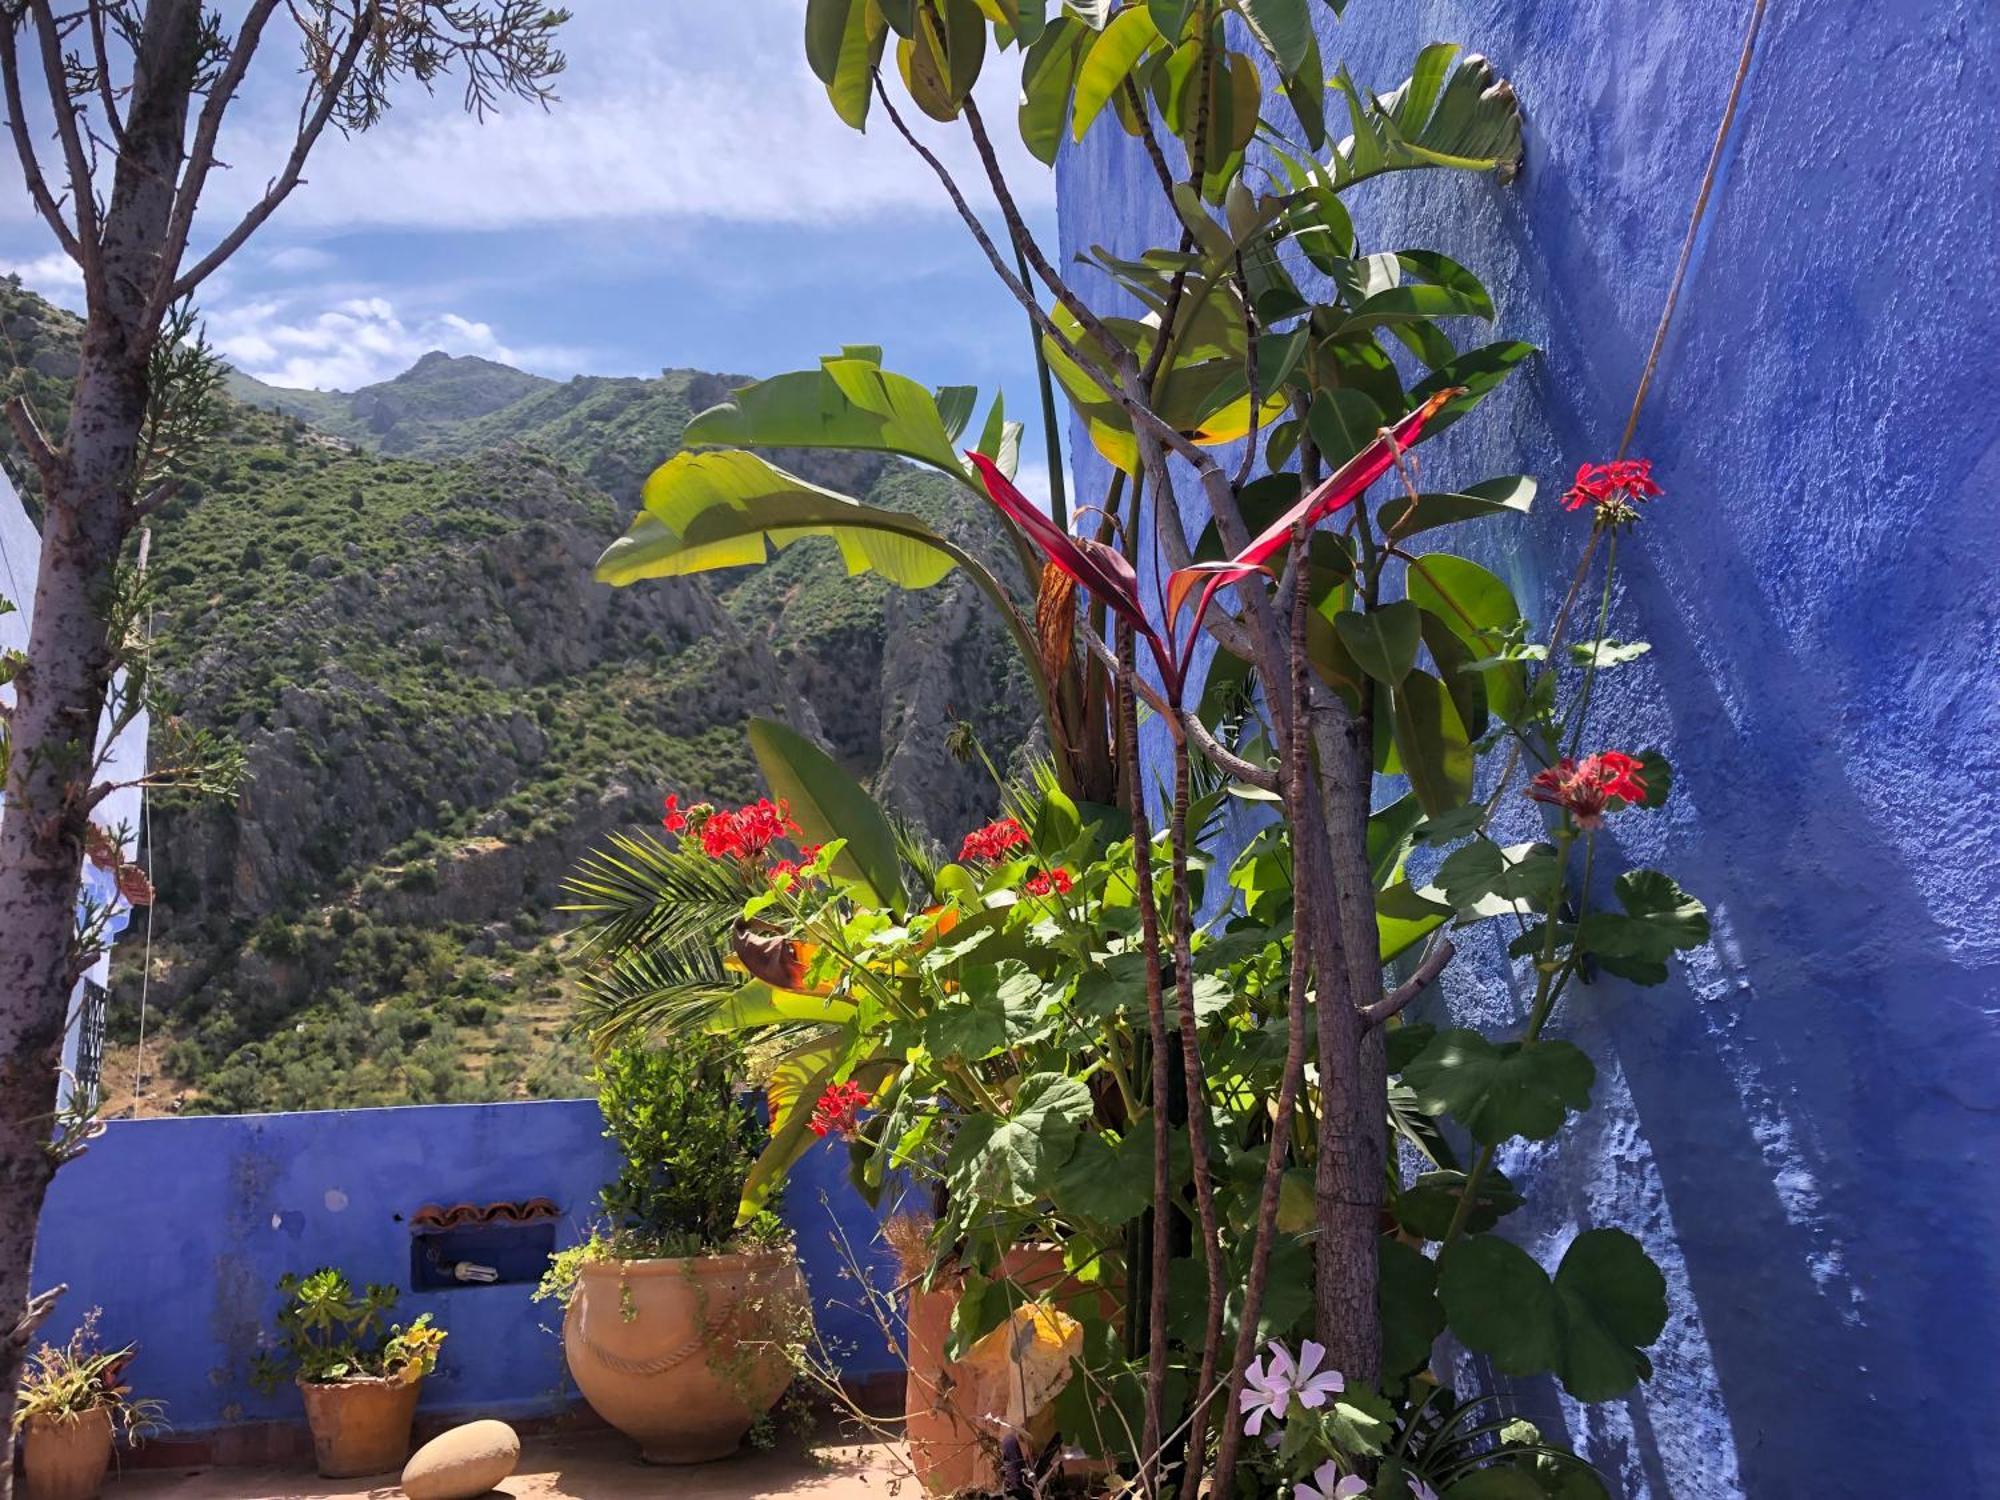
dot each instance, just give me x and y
(954, 1445)
(683, 1355)
(67, 1460)
(360, 1426)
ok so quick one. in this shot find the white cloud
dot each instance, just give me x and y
(54, 275)
(355, 342)
(710, 113)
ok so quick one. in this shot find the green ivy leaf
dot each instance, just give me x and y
(1497, 1482)
(1501, 1090)
(1482, 879)
(1412, 1317)
(1657, 776)
(1659, 920)
(1589, 1325)
(1427, 1206)
(1606, 653)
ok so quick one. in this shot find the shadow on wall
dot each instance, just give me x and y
(1806, 1128)
(180, 1228)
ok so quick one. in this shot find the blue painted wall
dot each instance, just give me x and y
(1806, 1127)
(180, 1228)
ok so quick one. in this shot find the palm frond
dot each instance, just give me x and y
(642, 896)
(651, 992)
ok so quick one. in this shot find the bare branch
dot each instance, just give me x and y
(107, 96)
(1198, 734)
(21, 417)
(159, 495)
(83, 195)
(1433, 965)
(24, 147)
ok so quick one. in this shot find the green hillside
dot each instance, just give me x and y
(385, 596)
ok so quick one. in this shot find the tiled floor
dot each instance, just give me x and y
(594, 1466)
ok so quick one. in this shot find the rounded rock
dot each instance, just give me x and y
(462, 1463)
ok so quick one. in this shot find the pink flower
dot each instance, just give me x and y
(1326, 1484)
(1270, 1384)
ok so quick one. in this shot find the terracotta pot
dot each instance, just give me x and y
(682, 1355)
(951, 1447)
(67, 1460)
(360, 1426)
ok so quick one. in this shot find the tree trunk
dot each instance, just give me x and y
(59, 700)
(1353, 1079)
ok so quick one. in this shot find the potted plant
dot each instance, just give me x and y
(73, 1403)
(678, 1320)
(358, 1375)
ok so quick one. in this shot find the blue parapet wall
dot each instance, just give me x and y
(180, 1228)
(1805, 1128)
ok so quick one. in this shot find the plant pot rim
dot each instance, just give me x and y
(67, 1419)
(688, 1265)
(351, 1382)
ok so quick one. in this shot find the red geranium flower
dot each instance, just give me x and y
(748, 831)
(675, 821)
(993, 841)
(1615, 489)
(1045, 882)
(1586, 787)
(838, 1110)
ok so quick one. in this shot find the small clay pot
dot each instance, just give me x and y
(67, 1460)
(360, 1426)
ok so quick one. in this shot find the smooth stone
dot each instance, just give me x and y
(462, 1463)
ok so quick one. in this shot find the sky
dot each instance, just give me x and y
(690, 200)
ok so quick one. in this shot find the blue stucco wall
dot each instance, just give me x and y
(180, 1228)
(1805, 1128)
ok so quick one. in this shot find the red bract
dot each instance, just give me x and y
(838, 1109)
(993, 841)
(1614, 488)
(1047, 882)
(1108, 576)
(1586, 787)
(748, 831)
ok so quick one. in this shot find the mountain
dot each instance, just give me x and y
(385, 597)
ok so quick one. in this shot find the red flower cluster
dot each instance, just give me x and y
(839, 1108)
(1046, 882)
(785, 873)
(676, 820)
(1615, 488)
(748, 831)
(1585, 787)
(993, 841)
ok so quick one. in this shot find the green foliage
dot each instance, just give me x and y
(686, 1140)
(62, 1383)
(328, 1331)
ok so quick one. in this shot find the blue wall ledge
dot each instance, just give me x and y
(180, 1228)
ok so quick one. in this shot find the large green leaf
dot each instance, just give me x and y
(830, 804)
(849, 402)
(1589, 1325)
(1383, 642)
(796, 1083)
(1431, 742)
(1442, 116)
(1480, 610)
(843, 44)
(724, 510)
(1508, 494)
(1282, 28)
(1011, 1160)
(1114, 53)
(758, 1004)
(1501, 1090)
(1048, 75)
